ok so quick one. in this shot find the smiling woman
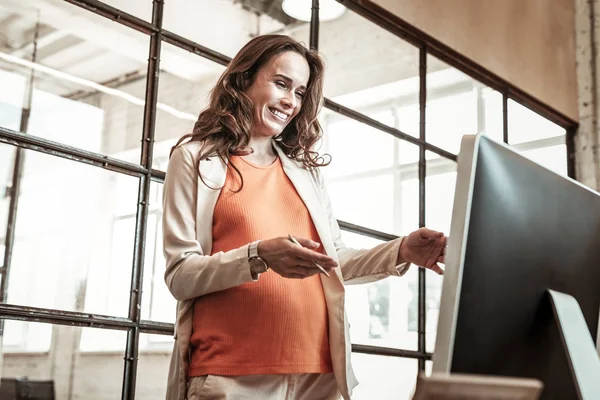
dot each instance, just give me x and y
(257, 312)
(277, 91)
(270, 74)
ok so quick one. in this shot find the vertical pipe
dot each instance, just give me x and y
(135, 300)
(570, 142)
(481, 114)
(314, 25)
(505, 118)
(594, 87)
(422, 175)
(15, 186)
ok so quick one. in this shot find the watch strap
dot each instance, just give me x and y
(253, 250)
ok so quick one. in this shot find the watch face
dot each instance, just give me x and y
(258, 265)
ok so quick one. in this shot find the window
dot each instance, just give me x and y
(537, 138)
(75, 233)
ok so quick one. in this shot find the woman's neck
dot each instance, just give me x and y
(263, 151)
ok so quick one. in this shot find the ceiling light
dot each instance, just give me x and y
(302, 9)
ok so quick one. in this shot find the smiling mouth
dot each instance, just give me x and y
(281, 116)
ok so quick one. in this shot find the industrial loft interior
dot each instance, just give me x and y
(93, 95)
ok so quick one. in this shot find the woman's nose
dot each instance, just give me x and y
(290, 100)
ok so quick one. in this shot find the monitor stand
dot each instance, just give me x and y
(580, 350)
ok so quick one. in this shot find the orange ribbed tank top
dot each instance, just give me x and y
(275, 325)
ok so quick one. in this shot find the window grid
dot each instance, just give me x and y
(134, 324)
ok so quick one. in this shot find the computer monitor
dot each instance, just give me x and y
(518, 230)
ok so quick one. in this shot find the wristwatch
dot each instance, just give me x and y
(257, 264)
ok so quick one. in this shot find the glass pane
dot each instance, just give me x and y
(88, 93)
(157, 303)
(552, 157)
(382, 313)
(383, 74)
(183, 91)
(11, 96)
(525, 125)
(357, 241)
(439, 193)
(384, 378)
(153, 366)
(72, 252)
(492, 101)
(226, 25)
(407, 188)
(451, 106)
(347, 178)
(25, 337)
(408, 117)
(408, 205)
(385, 164)
(72, 374)
(139, 8)
(101, 340)
(428, 367)
(348, 141)
(439, 198)
(371, 208)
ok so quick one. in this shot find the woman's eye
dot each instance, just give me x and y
(300, 95)
(280, 83)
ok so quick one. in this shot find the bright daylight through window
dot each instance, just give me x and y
(75, 238)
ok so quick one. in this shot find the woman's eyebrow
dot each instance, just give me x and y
(289, 80)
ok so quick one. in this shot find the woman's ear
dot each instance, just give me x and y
(245, 80)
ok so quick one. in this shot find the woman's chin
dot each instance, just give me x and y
(271, 131)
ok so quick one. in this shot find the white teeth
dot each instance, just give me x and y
(278, 114)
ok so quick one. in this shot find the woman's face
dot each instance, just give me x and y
(277, 93)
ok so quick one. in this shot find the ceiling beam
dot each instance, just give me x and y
(108, 35)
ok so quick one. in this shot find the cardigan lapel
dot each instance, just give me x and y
(303, 183)
(214, 172)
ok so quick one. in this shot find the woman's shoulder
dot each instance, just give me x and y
(189, 148)
(188, 154)
(188, 151)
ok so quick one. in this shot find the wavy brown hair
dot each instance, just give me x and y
(224, 127)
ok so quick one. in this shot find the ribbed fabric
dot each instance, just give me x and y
(275, 325)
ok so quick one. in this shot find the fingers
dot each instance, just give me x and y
(311, 244)
(437, 269)
(427, 233)
(301, 262)
(313, 256)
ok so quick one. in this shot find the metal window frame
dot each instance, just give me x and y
(426, 44)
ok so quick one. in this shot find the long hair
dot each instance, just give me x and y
(224, 127)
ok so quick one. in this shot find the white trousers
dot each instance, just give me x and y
(264, 387)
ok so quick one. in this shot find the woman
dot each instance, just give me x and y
(256, 316)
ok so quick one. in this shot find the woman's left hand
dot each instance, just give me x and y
(425, 248)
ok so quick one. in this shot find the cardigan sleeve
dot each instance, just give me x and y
(189, 272)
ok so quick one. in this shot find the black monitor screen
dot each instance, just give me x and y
(525, 230)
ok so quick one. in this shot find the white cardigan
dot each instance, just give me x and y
(191, 272)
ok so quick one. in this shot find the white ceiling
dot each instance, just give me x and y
(80, 43)
(359, 55)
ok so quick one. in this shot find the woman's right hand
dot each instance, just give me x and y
(292, 261)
